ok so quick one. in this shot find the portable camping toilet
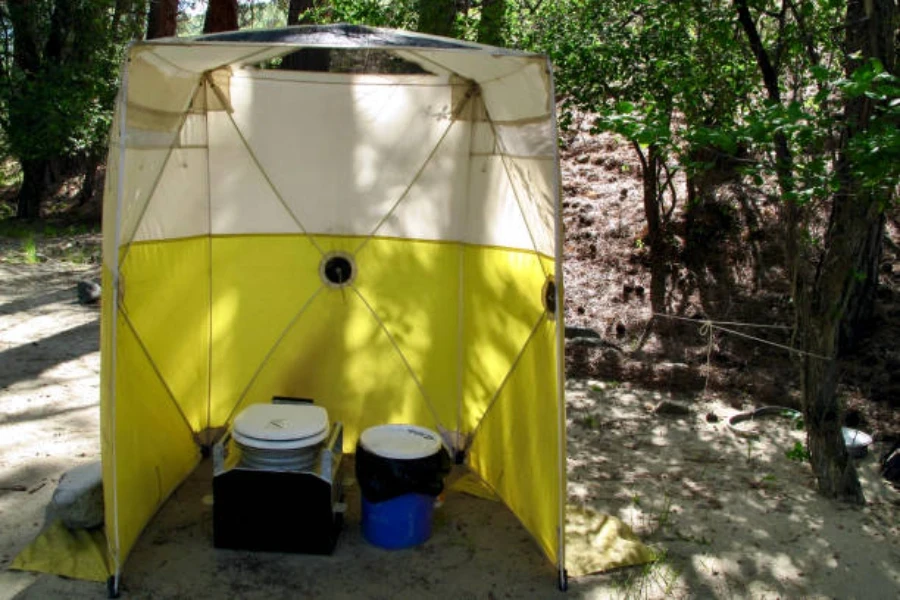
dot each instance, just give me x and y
(383, 236)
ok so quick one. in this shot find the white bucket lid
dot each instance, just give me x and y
(281, 426)
(405, 442)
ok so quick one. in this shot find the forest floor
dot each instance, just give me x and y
(730, 515)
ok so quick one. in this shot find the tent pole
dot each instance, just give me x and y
(113, 586)
(209, 435)
(461, 447)
(560, 342)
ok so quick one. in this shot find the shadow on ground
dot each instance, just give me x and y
(732, 516)
(478, 550)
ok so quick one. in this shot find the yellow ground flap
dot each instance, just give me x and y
(597, 542)
(75, 553)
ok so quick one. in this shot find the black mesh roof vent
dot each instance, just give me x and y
(335, 36)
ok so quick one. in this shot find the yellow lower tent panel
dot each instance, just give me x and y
(211, 343)
(412, 289)
(473, 485)
(260, 284)
(165, 292)
(78, 553)
(154, 448)
(503, 291)
(396, 345)
(516, 448)
(383, 349)
(339, 355)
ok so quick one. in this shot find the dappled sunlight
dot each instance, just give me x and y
(411, 289)
(261, 288)
(49, 398)
(734, 514)
(388, 118)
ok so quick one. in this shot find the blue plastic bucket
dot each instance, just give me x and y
(393, 453)
(400, 522)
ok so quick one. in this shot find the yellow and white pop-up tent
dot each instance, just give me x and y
(385, 243)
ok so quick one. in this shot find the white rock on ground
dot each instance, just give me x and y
(78, 499)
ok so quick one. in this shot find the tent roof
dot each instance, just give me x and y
(344, 36)
(441, 56)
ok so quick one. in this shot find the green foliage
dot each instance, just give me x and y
(29, 250)
(589, 422)
(398, 14)
(798, 453)
(57, 101)
(10, 173)
(875, 151)
(258, 15)
(638, 64)
(491, 22)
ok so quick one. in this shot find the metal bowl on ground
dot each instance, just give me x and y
(857, 442)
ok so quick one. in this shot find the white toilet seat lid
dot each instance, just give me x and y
(281, 426)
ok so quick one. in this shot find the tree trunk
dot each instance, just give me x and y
(221, 15)
(437, 17)
(835, 472)
(34, 175)
(88, 188)
(297, 8)
(858, 320)
(162, 19)
(490, 27)
(854, 229)
(784, 160)
(305, 59)
(820, 312)
(655, 238)
(27, 57)
(869, 33)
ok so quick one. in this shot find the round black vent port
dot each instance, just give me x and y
(550, 297)
(337, 269)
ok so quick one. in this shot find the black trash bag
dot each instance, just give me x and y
(383, 478)
(890, 465)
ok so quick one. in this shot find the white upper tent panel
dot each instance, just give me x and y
(462, 149)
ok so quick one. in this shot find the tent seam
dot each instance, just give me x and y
(156, 371)
(409, 368)
(461, 333)
(506, 377)
(386, 83)
(162, 169)
(272, 350)
(269, 181)
(116, 274)
(357, 236)
(515, 191)
(504, 76)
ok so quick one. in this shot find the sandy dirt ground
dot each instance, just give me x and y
(731, 516)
